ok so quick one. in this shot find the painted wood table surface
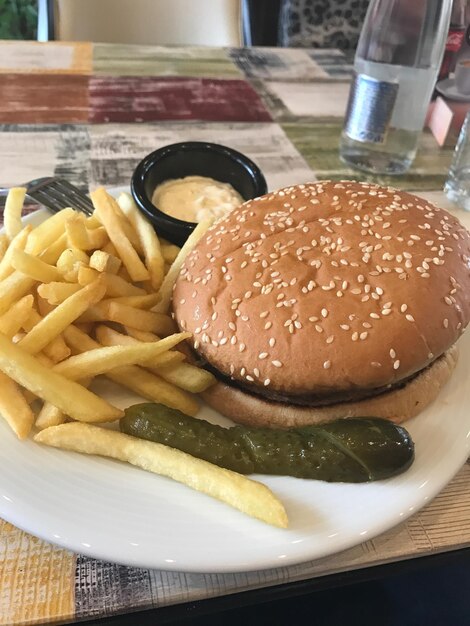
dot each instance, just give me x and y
(90, 113)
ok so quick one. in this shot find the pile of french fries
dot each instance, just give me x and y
(82, 297)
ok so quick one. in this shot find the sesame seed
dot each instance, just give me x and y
(256, 372)
(277, 363)
(330, 339)
(393, 354)
(374, 316)
(410, 318)
(262, 355)
(445, 323)
(266, 382)
(403, 308)
(327, 365)
(272, 342)
(344, 326)
(324, 313)
(396, 364)
(250, 378)
(355, 336)
(268, 325)
(241, 347)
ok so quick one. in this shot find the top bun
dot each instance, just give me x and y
(326, 287)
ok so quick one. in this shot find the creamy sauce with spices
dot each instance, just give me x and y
(195, 198)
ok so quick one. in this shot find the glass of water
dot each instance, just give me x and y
(457, 186)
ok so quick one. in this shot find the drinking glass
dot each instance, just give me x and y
(457, 185)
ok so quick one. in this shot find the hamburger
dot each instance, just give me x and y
(327, 300)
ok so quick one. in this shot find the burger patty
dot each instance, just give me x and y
(304, 399)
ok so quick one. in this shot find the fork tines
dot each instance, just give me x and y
(57, 193)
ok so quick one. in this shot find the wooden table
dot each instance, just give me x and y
(90, 113)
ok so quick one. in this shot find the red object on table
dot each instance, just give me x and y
(454, 38)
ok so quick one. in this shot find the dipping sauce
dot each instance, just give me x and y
(194, 198)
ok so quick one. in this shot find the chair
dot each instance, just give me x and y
(321, 23)
(178, 22)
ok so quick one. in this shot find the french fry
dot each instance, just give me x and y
(101, 360)
(19, 242)
(12, 212)
(14, 408)
(169, 251)
(78, 236)
(43, 306)
(56, 350)
(115, 285)
(167, 286)
(141, 335)
(105, 212)
(87, 275)
(52, 253)
(70, 262)
(244, 494)
(57, 320)
(78, 340)
(57, 292)
(4, 242)
(148, 239)
(75, 229)
(104, 262)
(139, 302)
(124, 274)
(12, 321)
(183, 375)
(93, 222)
(48, 232)
(153, 387)
(109, 248)
(48, 416)
(12, 288)
(110, 337)
(139, 318)
(33, 267)
(137, 379)
(188, 377)
(74, 399)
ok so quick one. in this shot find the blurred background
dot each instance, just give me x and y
(18, 19)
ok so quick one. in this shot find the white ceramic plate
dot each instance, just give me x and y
(115, 512)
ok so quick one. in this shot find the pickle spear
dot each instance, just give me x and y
(350, 450)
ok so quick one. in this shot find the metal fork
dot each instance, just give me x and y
(56, 194)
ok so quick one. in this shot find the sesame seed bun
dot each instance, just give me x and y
(326, 292)
(397, 405)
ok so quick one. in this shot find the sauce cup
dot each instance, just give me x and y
(191, 158)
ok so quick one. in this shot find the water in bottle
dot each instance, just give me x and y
(397, 61)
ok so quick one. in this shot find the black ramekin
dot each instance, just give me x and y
(191, 158)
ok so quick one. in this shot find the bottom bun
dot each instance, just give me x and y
(397, 405)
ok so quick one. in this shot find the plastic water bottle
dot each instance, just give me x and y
(397, 60)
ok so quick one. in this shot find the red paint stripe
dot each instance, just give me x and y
(43, 98)
(146, 99)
